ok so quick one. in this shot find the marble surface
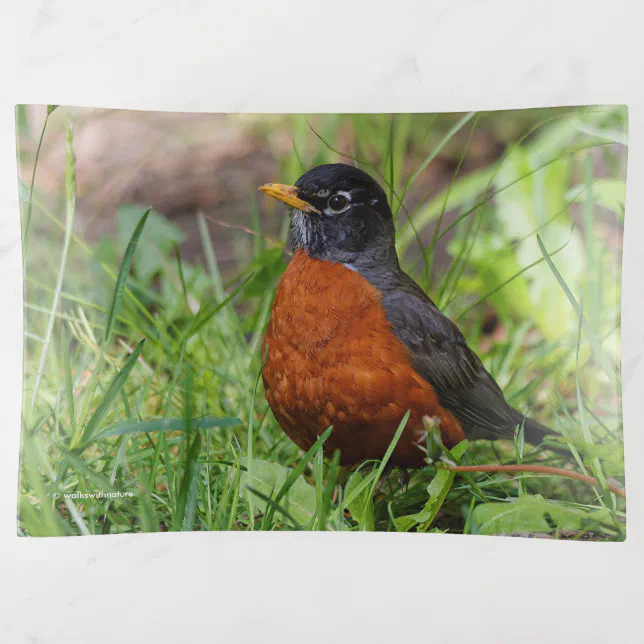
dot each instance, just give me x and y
(311, 57)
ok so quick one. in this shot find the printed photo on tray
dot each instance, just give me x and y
(333, 322)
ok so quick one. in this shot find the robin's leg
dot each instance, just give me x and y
(403, 478)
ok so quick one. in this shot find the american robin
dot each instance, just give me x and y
(354, 342)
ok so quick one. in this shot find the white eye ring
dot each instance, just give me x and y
(330, 211)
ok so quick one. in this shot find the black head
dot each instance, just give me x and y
(340, 214)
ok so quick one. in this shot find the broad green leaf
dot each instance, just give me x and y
(514, 204)
(524, 207)
(269, 478)
(607, 192)
(592, 339)
(360, 505)
(266, 268)
(494, 265)
(610, 134)
(559, 135)
(527, 514)
(552, 140)
(157, 240)
(295, 473)
(611, 454)
(437, 490)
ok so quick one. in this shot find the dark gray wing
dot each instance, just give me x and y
(440, 354)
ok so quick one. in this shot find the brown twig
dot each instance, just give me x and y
(250, 231)
(539, 469)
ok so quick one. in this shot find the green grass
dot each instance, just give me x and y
(142, 370)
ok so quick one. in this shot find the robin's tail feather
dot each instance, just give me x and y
(534, 432)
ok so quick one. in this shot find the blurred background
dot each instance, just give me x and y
(180, 163)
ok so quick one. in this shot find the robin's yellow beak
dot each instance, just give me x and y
(288, 194)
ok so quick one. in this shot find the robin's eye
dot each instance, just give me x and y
(338, 203)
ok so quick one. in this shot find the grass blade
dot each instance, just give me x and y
(249, 445)
(592, 339)
(327, 496)
(123, 274)
(69, 383)
(164, 425)
(520, 272)
(301, 466)
(92, 427)
(70, 193)
(209, 311)
(444, 141)
(184, 515)
(27, 227)
(147, 516)
(274, 506)
(389, 452)
(182, 278)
